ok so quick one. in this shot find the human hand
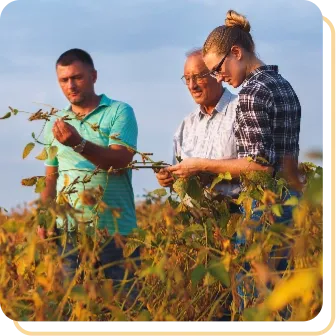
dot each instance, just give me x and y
(186, 168)
(66, 134)
(164, 178)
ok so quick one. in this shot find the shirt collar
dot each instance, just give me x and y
(263, 68)
(104, 101)
(221, 106)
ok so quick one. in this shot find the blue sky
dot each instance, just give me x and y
(138, 47)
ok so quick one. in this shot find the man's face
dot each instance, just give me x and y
(203, 90)
(76, 81)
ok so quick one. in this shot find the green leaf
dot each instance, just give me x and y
(218, 271)
(43, 155)
(242, 196)
(194, 189)
(278, 228)
(78, 293)
(277, 210)
(255, 314)
(198, 274)
(160, 192)
(219, 178)
(29, 147)
(144, 316)
(180, 187)
(174, 204)
(15, 111)
(40, 184)
(192, 229)
(293, 201)
(130, 247)
(6, 116)
(53, 152)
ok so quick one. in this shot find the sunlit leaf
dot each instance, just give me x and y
(40, 184)
(6, 116)
(52, 152)
(66, 180)
(160, 192)
(226, 176)
(43, 155)
(180, 187)
(288, 290)
(29, 147)
(277, 210)
(293, 201)
(130, 247)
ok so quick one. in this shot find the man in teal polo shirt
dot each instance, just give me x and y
(82, 148)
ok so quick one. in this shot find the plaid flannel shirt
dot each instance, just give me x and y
(268, 115)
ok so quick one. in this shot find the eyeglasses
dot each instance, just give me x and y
(198, 78)
(216, 72)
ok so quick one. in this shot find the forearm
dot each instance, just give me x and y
(104, 158)
(49, 192)
(234, 166)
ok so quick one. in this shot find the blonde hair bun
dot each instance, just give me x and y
(234, 19)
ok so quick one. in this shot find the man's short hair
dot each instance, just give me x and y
(194, 52)
(73, 55)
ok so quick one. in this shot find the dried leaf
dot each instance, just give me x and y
(29, 181)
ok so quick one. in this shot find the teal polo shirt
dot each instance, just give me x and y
(112, 117)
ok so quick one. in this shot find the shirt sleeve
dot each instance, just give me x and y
(253, 127)
(124, 127)
(48, 139)
(177, 143)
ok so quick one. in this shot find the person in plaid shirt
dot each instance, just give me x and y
(268, 114)
(267, 123)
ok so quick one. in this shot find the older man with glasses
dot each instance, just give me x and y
(207, 132)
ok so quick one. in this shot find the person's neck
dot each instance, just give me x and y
(209, 108)
(87, 107)
(253, 64)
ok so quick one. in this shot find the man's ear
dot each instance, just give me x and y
(237, 52)
(94, 75)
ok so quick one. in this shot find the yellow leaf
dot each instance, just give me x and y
(227, 261)
(37, 300)
(28, 149)
(44, 282)
(66, 180)
(40, 184)
(288, 290)
(53, 152)
(43, 155)
(320, 267)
